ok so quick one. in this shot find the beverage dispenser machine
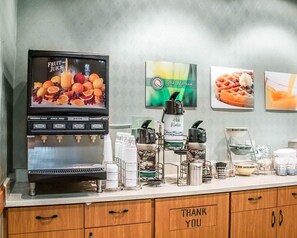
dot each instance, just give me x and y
(67, 116)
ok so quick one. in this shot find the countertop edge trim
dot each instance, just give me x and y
(127, 197)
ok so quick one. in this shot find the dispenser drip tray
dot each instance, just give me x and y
(74, 169)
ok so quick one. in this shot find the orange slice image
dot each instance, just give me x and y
(97, 92)
(93, 77)
(52, 89)
(62, 100)
(47, 84)
(88, 92)
(78, 102)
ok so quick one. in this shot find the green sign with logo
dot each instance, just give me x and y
(164, 78)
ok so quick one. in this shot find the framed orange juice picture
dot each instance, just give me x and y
(281, 91)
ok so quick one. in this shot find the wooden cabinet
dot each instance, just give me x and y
(52, 234)
(142, 230)
(254, 214)
(2, 199)
(252, 200)
(24, 221)
(287, 196)
(266, 213)
(287, 212)
(119, 219)
(118, 213)
(254, 224)
(192, 216)
(104, 220)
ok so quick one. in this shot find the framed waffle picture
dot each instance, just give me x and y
(280, 91)
(232, 88)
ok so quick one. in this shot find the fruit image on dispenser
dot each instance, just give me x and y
(66, 77)
(65, 90)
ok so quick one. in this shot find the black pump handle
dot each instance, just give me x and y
(173, 96)
(145, 124)
(162, 119)
(196, 124)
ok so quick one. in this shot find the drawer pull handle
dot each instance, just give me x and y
(118, 212)
(273, 219)
(281, 217)
(46, 218)
(255, 199)
(91, 235)
(294, 194)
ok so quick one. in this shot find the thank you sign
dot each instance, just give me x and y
(193, 217)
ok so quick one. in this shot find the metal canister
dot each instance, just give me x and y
(194, 174)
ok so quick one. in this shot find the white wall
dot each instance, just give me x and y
(259, 35)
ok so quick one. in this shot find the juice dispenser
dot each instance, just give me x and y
(67, 117)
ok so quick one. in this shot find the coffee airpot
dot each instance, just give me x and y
(196, 143)
(196, 155)
(145, 134)
(173, 122)
(146, 150)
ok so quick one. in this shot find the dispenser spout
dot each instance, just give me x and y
(93, 138)
(59, 138)
(43, 138)
(78, 138)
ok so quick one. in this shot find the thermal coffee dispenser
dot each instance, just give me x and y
(146, 150)
(196, 143)
(197, 150)
(67, 116)
(173, 122)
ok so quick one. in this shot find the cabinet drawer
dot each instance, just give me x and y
(44, 218)
(52, 234)
(287, 196)
(142, 230)
(254, 199)
(118, 213)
